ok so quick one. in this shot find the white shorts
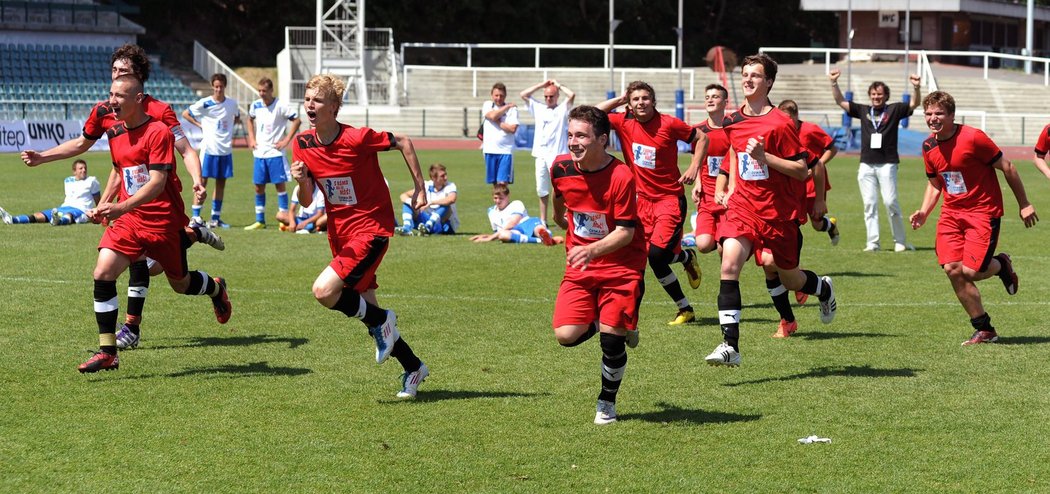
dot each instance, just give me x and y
(543, 177)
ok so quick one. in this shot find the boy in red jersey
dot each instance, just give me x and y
(961, 163)
(650, 142)
(1042, 146)
(148, 219)
(342, 161)
(765, 206)
(709, 213)
(594, 201)
(125, 60)
(818, 144)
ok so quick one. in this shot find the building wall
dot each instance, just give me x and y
(946, 31)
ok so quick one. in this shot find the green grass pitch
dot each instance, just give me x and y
(287, 397)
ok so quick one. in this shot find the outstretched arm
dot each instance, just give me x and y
(916, 97)
(527, 93)
(68, 149)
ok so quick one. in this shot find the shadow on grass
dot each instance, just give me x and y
(713, 321)
(1023, 340)
(835, 371)
(670, 413)
(220, 341)
(253, 369)
(857, 274)
(449, 394)
(830, 335)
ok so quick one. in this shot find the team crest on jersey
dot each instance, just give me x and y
(590, 225)
(339, 190)
(134, 178)
(714, 165)
(644, 156)
(751, 169)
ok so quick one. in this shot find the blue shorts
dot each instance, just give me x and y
(528, 227)
(499, 168)
(217, 166)
(269, 171)
(76, 213)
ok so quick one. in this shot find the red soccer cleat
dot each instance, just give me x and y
(221, 303)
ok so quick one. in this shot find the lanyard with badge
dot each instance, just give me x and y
(876, 136)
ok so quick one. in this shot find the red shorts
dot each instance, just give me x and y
(970, 238)
(356, 259)
(780, 238)
(610, 298)
(166, 247)
(663, 220)
(708, 218)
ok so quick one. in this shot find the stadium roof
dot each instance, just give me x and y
(988, 7)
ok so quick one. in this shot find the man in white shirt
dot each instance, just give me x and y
(511, 223)
(552, 122)
(215, 115)
(501, 122)
(439, 214)
(82, 193)
(268, 135)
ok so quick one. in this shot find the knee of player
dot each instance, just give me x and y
(659, 255)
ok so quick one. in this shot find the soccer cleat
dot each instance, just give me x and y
(221, 303)
(903, 247)
(126, 339)
(872, 248)
(283, 227)
(56, 217)
(829, 307)
(302, 232)
(606, 413)
(632, 338)
(386, 335)
(256, 226)
(683, 316)
(982, 336)
(100, 361)
(801, 298)
(6, 217)
(785, 329)
(1007, 273)
(724, 354)
(206, 236)
(545, 237)
(218, 224)
(404, 231)
(833, 231)
(196, 221)
(692, 269)
(410, 381)
(421, 229)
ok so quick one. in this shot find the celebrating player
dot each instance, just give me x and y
(709, 212)
(961, 163)
(342, 161)
(594, 201)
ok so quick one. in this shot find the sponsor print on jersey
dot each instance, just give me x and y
(953, 181)
(134, 178)
(714, 165)
(644, 156)
(590, 225)
(339, 190)
(750, 169)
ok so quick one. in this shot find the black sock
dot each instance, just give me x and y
(403, 353)
(779, 294)
(591, 330)
(682, 257)
(670, 283)
(349, 303)
(138, 288)
(614, 363)
(202, 284)
(106, 314)
(982, 323)
(729, 306)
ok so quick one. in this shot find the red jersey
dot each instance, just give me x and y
(1042, 144)
(771, 195)
(137, 151)
(963, 165)
(356, 196)
(816, 142)
(717, 152)
(652, 151)
(102, 118)
(598, 202)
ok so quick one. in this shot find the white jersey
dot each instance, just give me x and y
(271, 124)
(81, 194)
(498, 218)
(310, 210)
(552, 129)
(495, 140)
(217, 120)
(434, 194)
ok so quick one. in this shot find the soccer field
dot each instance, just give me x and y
(287, 396)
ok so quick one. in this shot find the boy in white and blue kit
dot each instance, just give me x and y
(439, 215)
(511, 222)
(311, 217)
(268, 134)
(82, 193)
(215, 115)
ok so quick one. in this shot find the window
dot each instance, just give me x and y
(916, 30)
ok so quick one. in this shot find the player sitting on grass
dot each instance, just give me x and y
(439, 214)
(511, 223)
(310, 218)
(82, 194)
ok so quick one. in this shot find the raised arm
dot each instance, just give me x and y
(840, 100)
(570, 96)
(68, 149)
(611, 104)
(916, 97)
(526, 94)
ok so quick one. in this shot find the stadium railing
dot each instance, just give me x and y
(205, 63)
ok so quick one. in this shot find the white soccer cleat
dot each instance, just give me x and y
(410, 382)
(724, 354)
(6, 217)
(196, 221)
(606, 413)
(206, 236)
(56, 217)
(385, 335)
(828, 309)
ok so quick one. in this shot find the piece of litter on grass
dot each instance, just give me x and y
(814, 439)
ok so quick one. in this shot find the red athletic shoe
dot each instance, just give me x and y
(801, 298)
(786, 329)
(980, 336)
(100, 361)
(1007, 273)
(221, 303)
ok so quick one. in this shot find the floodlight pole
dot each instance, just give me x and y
(318, 36)
(907, 44)
(613, 24)
(1029, 27)
(679, 95)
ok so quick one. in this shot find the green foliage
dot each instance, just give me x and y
(287, 397)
